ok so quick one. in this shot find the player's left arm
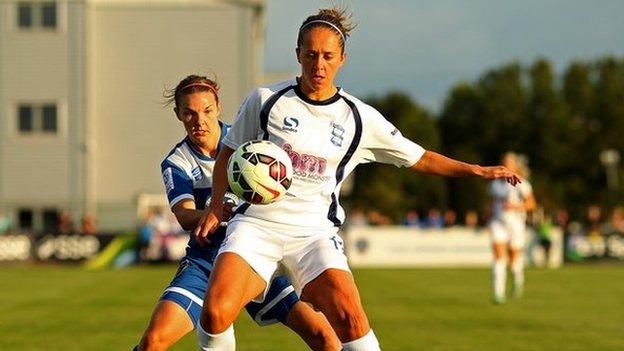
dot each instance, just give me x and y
(188, 215)
(437, 164)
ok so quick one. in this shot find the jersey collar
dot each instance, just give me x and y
(306, 99)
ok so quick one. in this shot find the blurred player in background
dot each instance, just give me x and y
(187, 174)
(508, 226)
(326, 133)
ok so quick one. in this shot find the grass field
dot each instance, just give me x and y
(575, 308)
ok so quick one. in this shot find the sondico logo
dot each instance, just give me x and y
(290, 124)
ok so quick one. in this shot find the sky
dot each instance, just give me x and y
(425, 47)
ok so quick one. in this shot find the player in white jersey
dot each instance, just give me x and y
(187, 173)
(508, 227)
(326, 133)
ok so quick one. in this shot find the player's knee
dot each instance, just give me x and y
(217, 315)
(352, 322)
(153, 341)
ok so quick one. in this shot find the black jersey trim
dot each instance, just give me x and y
(307, 100)
(266, 109)
(241, 209)
(332, 214)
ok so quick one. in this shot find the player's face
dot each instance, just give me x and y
(321, 57)
(199, 113)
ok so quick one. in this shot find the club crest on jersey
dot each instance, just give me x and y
(337, 135)
(197, 174)
(290, 124)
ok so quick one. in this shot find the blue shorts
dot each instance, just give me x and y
(188, 288)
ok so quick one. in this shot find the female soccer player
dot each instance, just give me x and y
(508, 227)
(327, 133)
(187, 173)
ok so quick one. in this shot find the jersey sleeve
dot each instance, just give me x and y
(247, 123)
(383, 142)
(178, 184)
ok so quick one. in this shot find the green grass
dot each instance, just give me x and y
(575, 308)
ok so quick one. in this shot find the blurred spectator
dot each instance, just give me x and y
(5, 223)
(87, 225)
(471, 220)
(616, 224)
(65, 223)
(411, 219)
(375, 217)
(562, 219)
(146, 233)
(356, 218)
(434, 219)
(594, 219)
(450, 218)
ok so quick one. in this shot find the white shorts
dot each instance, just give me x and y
(304, 255)
(509, 232)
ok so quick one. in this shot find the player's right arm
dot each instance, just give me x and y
(213, 215)
(245, 128)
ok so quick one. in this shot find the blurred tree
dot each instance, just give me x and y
(394, 190)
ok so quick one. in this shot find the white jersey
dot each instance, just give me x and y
(325, 140)
(502, 192)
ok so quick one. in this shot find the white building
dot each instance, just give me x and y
(82, 122)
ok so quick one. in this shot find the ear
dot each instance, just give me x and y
(343, 58)
(297, 51)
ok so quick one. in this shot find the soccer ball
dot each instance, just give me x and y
(260, 172)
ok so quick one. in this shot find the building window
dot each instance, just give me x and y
(36, 14)
(37, 118)
(50, 219)
(25, 219)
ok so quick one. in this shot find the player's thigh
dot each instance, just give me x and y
(517, 234)
(169, 323)
(499, 234)
(246, 263)
(233, 283)
(335, 294)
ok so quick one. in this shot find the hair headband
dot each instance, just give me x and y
(200, 84)
(344, 39)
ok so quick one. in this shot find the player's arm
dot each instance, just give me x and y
(214, 213)
(187, 214)
(437, 164)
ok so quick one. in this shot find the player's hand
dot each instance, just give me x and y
(496, 172)
(228, 211)
(207, 224)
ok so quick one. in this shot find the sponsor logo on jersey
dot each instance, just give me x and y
(290, 124)
(168, 178)
(308, 168)
(337, 135)
(394, 132)
(197, 174)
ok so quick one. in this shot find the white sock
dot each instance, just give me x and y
(366, 343)
(499, 275)
(517, 268)
(216, 342)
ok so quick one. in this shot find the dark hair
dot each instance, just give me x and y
(189, 85)
(339, 17)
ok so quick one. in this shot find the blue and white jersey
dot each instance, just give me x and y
(187, 174)
(325, 140)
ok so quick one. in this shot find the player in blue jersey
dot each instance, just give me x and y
(327, 133)
(187, 174)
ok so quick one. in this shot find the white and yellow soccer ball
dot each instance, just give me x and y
(259, 172)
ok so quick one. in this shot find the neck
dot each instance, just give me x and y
(208, 148)
(317, 95)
